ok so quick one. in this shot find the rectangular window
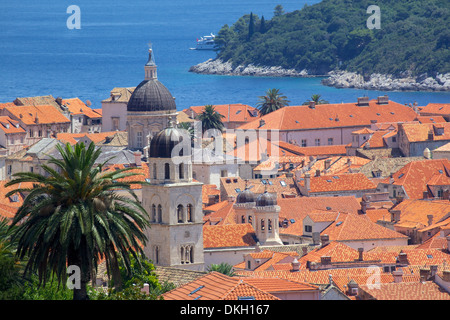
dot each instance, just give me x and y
(308, 228)
(330, 141)
(139, 139)
(304, 144)
(317, 142)
(115, 123)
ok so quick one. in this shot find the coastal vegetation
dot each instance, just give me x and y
(332, 35)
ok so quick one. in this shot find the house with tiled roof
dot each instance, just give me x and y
(421, 179)
(403, 291)
(420, 219)
(82, 116)
(114, 109)
(217, 286)
(234, 115)
(330, 124)
(111, 139)
(436, 109)
(417, 138)
(347, 184)
(12, 135)
(39, 121)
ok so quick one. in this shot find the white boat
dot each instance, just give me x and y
(205, 43)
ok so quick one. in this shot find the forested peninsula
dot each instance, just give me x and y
(409, 50)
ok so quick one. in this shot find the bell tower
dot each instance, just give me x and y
(174, 203)
(150, 67)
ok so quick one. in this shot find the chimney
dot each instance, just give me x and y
(395, 215)
(307, 181)
(262, 122)
(424, 274)
(446, 275)
(137, 158)
(402, 258)
(317, 173)
(295, 265)
(325, 240)
(59, 100)
(430, 219)
(398, 275)
(316, 238)
(312, 104)
(433, 270)
(360, 254)
(325, 260)
(327, 164)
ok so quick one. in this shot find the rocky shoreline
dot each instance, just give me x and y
(337, 79)
(345, 79)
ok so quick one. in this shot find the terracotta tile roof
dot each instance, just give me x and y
(437, 241)
(337, 165)
(77, 107)
(349, 227)
(232, 235)
(386, 166)
(312, 151)
(46, 114)
(415, 175)
(223, 215)
(416, 211)
(340, 182)
(363, 131)
(8, 125)
(279, 185)
(257, 150)
(237, 112)
(177, 276)
(406, 291)
(436, 108)
(216, 286)
(430, 119)
(208, 191)
(419, 132)
(333, 115)
(122, 94)
(378, 214)
(142, 173)
(73, 138)
(426, 257)
(274, 285)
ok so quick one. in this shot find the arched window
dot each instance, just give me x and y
(180, 213)
(182, 254)
(262, 224)
(181, 171)
(167, 171)
(154, 171)
(242, 219)
(159, 213)
(269, 225)
(153, 213)
(190, 213)
(250, 220)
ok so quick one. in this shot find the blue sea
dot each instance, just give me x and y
(40, 55)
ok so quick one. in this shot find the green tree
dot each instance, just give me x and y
(273, 100)
(75, 215)
(278, 10)
(211, 119)
(223, 268)
(262, 25)
(251, 26)
(316, 98)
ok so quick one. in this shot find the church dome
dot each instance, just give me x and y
(266, 199)
(162, 144)
(245, 196)
(151, 95)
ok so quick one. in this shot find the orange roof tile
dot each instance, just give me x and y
(340, 182)
(436, 108)
(8, 125)
(30, 115)
(217, 286)
(417, 211)
(415, 175)
(232, 235)
(406, 291)
(237, 112)
(333, 115)
(76, 107)
(312, 151)
(415, 132)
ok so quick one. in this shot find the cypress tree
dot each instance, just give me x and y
(262, 26)
(251, 27)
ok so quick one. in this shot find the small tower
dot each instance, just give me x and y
(174, 203)
(267, 219)
(150, 67)
(244, 205)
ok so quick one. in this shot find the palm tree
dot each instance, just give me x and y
(224, 268)
(273, 100)
(316, 98)
(75, 215)
(210, 119)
